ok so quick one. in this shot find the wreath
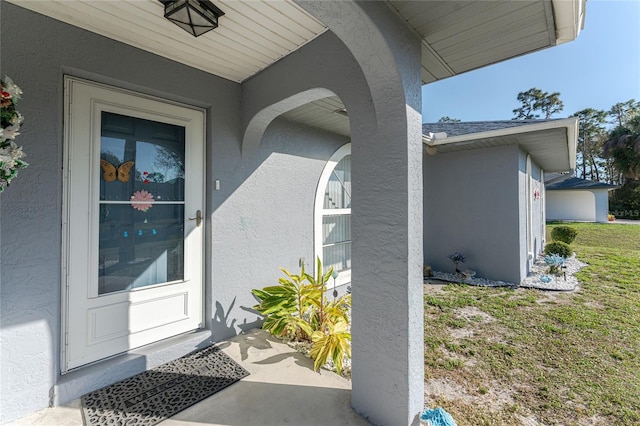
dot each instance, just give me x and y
(11, 155)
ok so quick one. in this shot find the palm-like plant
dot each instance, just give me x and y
(297, 309)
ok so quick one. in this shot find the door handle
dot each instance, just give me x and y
(198, 218)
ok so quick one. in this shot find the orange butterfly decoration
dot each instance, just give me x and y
(123, 171)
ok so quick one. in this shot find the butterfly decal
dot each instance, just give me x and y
(123, 171)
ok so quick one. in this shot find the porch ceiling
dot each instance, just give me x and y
(457, 36)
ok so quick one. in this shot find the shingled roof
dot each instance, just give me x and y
(551, 143)
(470, 127)
(565, 181)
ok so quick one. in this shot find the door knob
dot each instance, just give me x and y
(198, 218)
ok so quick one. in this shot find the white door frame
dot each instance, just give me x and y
(108, 98)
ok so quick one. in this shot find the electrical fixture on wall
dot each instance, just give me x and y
(194, 16)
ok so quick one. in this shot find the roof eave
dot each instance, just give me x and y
(569, 16)
(566, 148)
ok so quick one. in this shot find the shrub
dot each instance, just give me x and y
(566, 234)
(297, 309)
(559, 248)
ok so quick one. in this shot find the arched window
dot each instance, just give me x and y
(332, 222)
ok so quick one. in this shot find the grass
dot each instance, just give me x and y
(552, 358)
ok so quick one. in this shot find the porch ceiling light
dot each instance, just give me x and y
(194, 16)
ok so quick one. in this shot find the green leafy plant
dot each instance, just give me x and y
(297, 309)
(559, 248)
(566, 234)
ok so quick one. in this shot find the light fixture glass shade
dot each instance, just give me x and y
(194, 16)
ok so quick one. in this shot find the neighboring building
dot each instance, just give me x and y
(580, 200)
(488, 200)
(170, 175)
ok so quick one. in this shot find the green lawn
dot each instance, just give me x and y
(496, 356)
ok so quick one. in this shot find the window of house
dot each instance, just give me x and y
(333, 216)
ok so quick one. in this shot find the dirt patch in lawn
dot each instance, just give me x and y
(473, 314)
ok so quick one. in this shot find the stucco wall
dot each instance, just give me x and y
(574, 205)
(385, 119)
(471, 206)
(266, 221)
(260, 219)
(602, 204)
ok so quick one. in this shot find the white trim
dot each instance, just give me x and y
(543, 210)
(529, 192)
(108, 98)
(570, 123)
(469, 139)
(319, 210)
(569, 19)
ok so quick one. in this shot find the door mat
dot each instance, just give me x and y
(159, 393)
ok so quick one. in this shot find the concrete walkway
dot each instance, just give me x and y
(282, 389)
(626, 222)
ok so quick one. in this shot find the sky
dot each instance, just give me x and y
(598, 69)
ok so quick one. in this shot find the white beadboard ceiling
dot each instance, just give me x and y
(251, 35)
(457, 35)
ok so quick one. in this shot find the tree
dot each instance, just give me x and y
(623, 146)
(447, 119)
(623, 149)
(591, 136)
(622, 112)
(535, 102)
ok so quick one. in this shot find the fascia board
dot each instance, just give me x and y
(569, 18)
(570, 123)
(568, 146)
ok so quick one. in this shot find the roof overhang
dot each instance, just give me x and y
(456, 36)
(463, 35)
(569, 17)
(551, 144)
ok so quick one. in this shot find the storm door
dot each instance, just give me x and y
(133, 231)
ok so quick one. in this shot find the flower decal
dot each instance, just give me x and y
(142, 200)
(536, 194)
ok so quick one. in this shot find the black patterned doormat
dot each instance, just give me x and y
(159, 393)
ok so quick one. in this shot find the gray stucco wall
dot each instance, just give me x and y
(266, 221)
(260, 219)
(471, 205)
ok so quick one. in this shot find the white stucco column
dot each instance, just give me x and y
(386, 221)
(371, 60)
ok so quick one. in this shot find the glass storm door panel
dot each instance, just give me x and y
(133, 258)
(141, 231)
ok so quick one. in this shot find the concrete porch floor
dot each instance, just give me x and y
(281, 389)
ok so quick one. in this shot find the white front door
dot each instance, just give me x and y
(133, 234)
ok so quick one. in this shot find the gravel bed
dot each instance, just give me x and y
(564, 282)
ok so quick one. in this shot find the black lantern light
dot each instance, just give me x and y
(194, 16)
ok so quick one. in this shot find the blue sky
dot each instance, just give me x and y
(598, 69)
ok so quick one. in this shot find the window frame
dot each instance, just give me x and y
(344, 277)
